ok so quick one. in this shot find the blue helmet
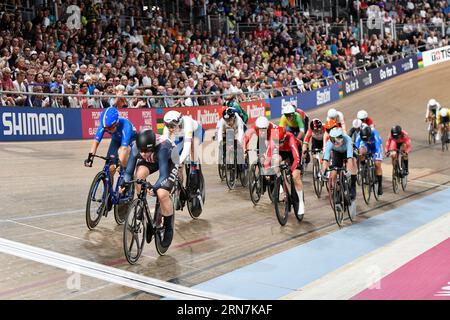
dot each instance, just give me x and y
(109, 117)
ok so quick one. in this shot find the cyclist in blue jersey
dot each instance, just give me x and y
(123, 136)
(342, 147)
(369, 140)
(157, 153)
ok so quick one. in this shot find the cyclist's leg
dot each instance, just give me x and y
(405, 158)
(165, 201)
(377, 156)
(113, 150)
(353, 168)
(128, 175)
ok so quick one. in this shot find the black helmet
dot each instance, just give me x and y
(146, 140)
(365, 133)
(228, 113)
(396, 131)
(316, 124)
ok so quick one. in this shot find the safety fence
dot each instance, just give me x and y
(24, 124)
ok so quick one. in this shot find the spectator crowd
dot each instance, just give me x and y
(124, 48)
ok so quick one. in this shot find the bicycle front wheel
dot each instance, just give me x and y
(338, 197)
(254, 183)
(281, 201)
(134, 231)
(96, 203)
(366, 184)
(230, 175)
(404, 179)
(316, 179)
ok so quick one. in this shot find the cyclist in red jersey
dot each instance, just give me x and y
(314, 136)
(287, 150)
(330, 124)
(398, 139)
(364, 117)
(262, 128)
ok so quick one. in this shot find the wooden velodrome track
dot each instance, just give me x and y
(44, 187)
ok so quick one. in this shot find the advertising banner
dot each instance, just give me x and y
(375, 76)
(140, 118)
(30, 124)
(208, 116)
(435, 56)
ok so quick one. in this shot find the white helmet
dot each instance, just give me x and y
(357, 123)
(262, 123)
(172, 117)
(362, 114)
(332, 113)
(432, 102)
(443, 112)
(288, 109)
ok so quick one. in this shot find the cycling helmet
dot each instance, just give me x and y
(336, 132)
(228, 114)
(443, 112)
(396, 131)
(172, 117)
(146, 140)
(316, 124)
(288, 109)
(109, 117)
(366, 133)
(262, 123)
(330, 124)
(357, 123)
(362, 114)
(432, 102)
(332, 113)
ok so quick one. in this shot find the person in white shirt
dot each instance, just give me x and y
(432, 41)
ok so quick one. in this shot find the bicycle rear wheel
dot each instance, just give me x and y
(255, 183)
(374, 181)
(281, 201)
(231, 175)
(134, 231)
(96, 203)
(404, 180)
(317, 182)
(195, 201)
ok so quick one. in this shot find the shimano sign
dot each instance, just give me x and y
(39, 124)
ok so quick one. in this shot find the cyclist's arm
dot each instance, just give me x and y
(407, 143)
(428, 111)
(388, 144)
(438, 118)
(378, 145)
(187, 141)
(97, 139)
(248, 136)
(349, 144)
(268, 156)
(220, 126)
(300, 122)
(166, 133)
(240, 130)
(283, 121)
(307, 139)
(327, 152)
(358, 141)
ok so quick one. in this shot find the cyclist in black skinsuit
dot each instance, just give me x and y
(158, 153)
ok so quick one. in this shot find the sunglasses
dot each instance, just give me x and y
(171, 125)
(337, 139)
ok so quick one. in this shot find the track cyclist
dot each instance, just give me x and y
(156, 153)
(123, 136)
(443, 119)
(342, 146)
(232, 103)
(398, 140)
(314, 136)
(188, 134)
(354, 130)
(433, 108)
(364, 117)
(292, 121)
(337, 116)
(288, 149)
(369, 140)
(262, 128)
